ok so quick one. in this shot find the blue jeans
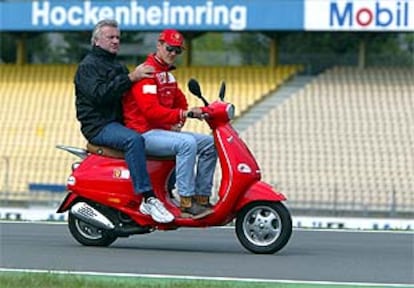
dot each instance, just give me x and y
(119, 137)
(186, 146)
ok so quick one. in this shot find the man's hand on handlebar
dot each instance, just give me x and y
(195, 112)
(177, 127)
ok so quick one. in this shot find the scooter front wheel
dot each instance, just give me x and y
(87, 234)
(264, 227)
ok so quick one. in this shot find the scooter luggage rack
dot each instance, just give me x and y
(105, 151)
(81, 153)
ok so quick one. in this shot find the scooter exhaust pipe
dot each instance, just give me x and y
(90, 215)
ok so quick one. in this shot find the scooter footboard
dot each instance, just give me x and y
(260, 191)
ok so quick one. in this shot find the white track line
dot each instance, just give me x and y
(183, 277)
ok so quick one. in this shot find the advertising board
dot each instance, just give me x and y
(210, 15)
(359, 15)
(218, 15)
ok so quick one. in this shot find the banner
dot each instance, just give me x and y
(210, 15)
(218, 15)
(359, 15)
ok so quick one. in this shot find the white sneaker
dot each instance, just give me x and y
(156, 210)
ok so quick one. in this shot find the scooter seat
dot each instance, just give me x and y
(104, 151)
(114, 153)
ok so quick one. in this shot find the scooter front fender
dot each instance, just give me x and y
(259, 191)
(69, 200)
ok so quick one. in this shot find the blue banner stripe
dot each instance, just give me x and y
(153, 15)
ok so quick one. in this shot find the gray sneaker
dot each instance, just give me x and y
(156, 210)
(196, 211)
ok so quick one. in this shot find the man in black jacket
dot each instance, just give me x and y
(100, 83)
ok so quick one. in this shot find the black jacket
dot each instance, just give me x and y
(100, 82)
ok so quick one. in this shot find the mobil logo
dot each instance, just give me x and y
(370, 14)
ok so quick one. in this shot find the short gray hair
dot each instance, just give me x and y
(96, 33)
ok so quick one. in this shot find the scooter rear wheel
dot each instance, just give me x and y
(87, 234)
(264, 227)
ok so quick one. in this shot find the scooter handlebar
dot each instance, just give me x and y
(190, 114)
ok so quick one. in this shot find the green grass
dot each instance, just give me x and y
(53, 280)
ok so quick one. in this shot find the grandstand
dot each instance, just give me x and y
(37, 113)
(342, 144)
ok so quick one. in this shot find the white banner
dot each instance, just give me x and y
(359, 15)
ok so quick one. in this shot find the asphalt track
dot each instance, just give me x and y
(337, 256)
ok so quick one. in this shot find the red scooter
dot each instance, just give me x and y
(103, 207)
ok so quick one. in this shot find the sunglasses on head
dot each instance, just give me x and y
(176, 49)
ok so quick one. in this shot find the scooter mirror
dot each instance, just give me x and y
(194, 88)
(222, 90)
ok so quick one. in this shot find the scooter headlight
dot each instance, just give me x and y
(231, 111)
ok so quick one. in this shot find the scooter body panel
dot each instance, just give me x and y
(110, 175)
(107, 181)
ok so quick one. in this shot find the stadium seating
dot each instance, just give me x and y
(37, 113)
(343, 142)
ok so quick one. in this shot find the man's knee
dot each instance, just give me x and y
(189, 144)
(136, 140)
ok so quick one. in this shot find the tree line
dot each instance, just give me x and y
(252, 48)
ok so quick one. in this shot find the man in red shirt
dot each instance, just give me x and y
(157, 108)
